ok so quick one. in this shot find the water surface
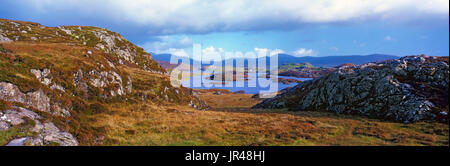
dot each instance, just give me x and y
(209, 84)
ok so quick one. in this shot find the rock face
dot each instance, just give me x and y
(110, 45)
(41, 133)
(36, 99)
(109, 81)
(4, 39)
(103, 79)
(44, 77)
(408, 89)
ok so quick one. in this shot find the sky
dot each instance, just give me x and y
(295, 27)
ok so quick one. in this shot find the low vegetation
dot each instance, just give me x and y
(303, 70)
(230, 121)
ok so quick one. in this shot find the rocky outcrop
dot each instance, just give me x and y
(109, 43)
(36, 99)
(40, 133)
(44, 77)
(408, 89)
(113, 43)
(303, 70)
(4, 39)
(103, 80)
(80, 82)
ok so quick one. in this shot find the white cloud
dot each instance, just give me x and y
(303, 52)
(265, 51)
(185, 41)
(212, 49)
(388, 38)
(177, 52)
(163, 43)
(163, 38)
(197, 16)
(216, 54)
(261, 50)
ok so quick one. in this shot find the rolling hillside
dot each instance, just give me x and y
(54, 81)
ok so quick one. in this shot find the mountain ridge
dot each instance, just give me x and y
(326, 61)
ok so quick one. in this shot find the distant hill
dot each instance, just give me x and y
(328, 61)
(161, 57)
(331, 61)
(164, 60)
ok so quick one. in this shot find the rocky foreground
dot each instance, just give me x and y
(409, 89)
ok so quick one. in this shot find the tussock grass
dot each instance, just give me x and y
(173, 125)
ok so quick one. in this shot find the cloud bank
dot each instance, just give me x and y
(204, 16)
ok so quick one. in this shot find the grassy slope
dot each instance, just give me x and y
(63, 61)
(146, 124)
(66, 60)
(64, 54)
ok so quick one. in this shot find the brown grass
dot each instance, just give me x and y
(147, 124)
(229, 100)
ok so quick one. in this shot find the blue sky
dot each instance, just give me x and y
(300, 28)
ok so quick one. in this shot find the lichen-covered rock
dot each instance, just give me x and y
(80, 82)
(42, 76)
(16, 116)
(36, 99)
(408, 89)
(42, 133)
(4, 39)
(48, 133)
(3, 125)
(129, 86)
(58, 87)
(103, 80)
(110, 45)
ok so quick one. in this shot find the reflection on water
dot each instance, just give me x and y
(235, 86)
